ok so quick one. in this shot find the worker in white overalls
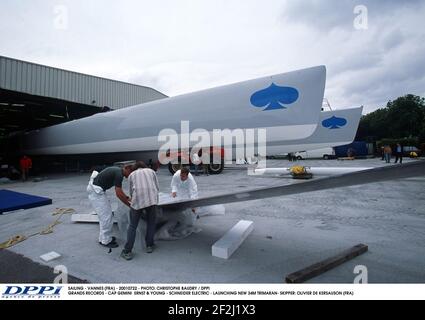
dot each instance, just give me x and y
(181, 223)
(183, 185)
(96, 189)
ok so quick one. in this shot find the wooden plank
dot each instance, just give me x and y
(325, 265)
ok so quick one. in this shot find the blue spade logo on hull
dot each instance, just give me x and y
(274, 97)
(334, 122)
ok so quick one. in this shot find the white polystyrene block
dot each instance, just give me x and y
(86, 217)
(231, 241)
(50, 256)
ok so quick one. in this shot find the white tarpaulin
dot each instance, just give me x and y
(172, 225)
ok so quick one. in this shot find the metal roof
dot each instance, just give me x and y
(35, 79)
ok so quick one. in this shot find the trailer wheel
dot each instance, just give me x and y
(299, 158)
(174, 167)
(215, 168)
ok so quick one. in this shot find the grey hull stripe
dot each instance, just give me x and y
(393, 172)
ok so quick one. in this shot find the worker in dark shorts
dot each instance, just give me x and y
(96, 189)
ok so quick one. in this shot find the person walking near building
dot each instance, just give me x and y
(96, 189)
(206, 169)
(204, 166)
(398, 153)
(26, 164)
(196, 163)
(387, 153)
(144, 193)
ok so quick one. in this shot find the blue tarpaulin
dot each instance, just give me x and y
(11, 200)
(359, 148)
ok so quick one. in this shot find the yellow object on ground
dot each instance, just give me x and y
(62, 211)
(413, 154)
(12, 241)
(298, 170)
(19, 238)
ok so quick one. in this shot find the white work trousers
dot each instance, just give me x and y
(102, 207)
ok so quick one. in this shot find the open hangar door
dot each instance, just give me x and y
(21, 113)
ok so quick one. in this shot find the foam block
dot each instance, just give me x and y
(86, 217)
(231, 241)
(50, 256)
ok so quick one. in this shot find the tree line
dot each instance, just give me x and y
(402, 120)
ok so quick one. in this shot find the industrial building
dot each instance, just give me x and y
(34, 96)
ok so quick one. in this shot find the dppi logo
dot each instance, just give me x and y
(334, 122)
(274, 97)
(31, 291)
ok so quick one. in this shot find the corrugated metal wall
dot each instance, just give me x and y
(35, 79)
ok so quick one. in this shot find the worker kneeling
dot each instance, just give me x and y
(144, 189)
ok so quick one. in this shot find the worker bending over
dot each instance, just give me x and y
(96, 189)
(144, 192)
(183, 185)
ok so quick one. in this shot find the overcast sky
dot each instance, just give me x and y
(182, 46)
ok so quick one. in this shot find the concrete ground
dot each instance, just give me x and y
(16, 268)
(290, 232)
